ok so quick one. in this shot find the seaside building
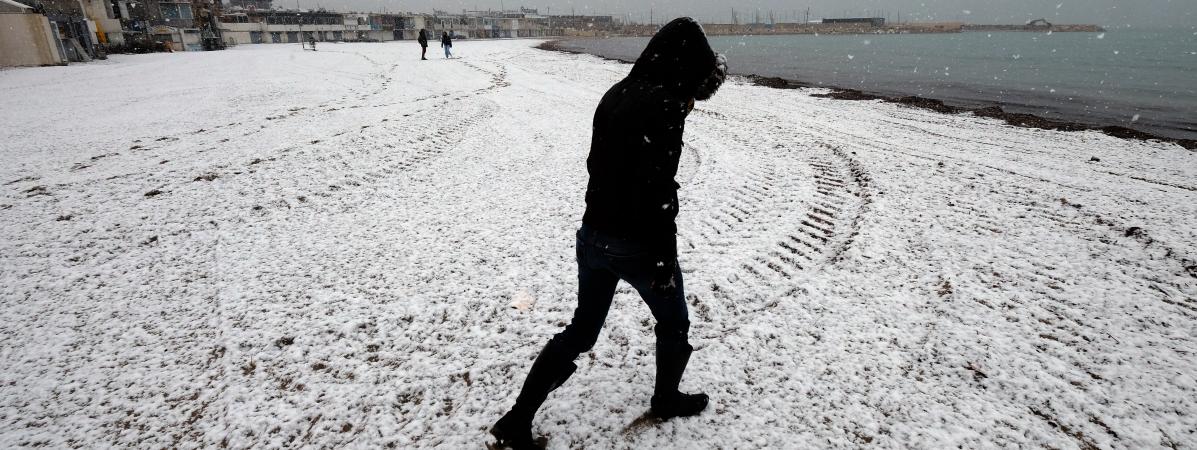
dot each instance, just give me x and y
(176, 25)
(524, 22)
(27, 38)
(574, 25)
(250, 4)
(80, 30)
(283, 26)
(250, 26)
(870, 21)
(81, 27)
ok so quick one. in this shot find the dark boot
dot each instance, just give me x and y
(552, 367)
(667, 402)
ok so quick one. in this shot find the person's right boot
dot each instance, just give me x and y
(667, 401)
(552, 367)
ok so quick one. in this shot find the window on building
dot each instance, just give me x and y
(175, 10)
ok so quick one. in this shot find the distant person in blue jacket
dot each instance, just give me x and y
(447, 43)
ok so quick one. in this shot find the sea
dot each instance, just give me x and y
(1141, 79)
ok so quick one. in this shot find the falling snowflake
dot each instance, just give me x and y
(1135, 118)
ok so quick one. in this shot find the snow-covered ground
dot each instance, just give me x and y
(268, 248)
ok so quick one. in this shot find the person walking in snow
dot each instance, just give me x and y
(447, 43)
(423, 40)
(628, 231)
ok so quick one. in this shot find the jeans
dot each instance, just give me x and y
(603, 261)
(447, 53)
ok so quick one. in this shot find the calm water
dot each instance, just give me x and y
(1141, 79)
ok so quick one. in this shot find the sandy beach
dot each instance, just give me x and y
(275, 248)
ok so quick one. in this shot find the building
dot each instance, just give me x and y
(871, 21)
(280, 26)
(79, 37)
(573, 25)
(27, 38)
(250, 4)
(176, 25)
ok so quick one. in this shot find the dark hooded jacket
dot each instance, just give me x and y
(422, 38)
(637, 136)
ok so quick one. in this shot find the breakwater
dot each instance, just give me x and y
(1086, 28)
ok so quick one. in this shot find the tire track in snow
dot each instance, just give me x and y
(373, 160)
(1071, 335)
(187, 145)
(379, 167)
(1070, 330)
(116, 247)
(764, 214)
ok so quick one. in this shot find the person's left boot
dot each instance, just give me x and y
(514, 431)
(552, 367)
(667, 401)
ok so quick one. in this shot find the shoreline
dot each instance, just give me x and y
(994, 111)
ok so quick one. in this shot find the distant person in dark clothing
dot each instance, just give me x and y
(447, 43)
(628, 231)
(423, 40)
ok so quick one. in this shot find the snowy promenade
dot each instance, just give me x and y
(272, 248)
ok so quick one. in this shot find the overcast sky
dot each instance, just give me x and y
(1110, 13)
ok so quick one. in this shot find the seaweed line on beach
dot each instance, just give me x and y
(995, 111)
